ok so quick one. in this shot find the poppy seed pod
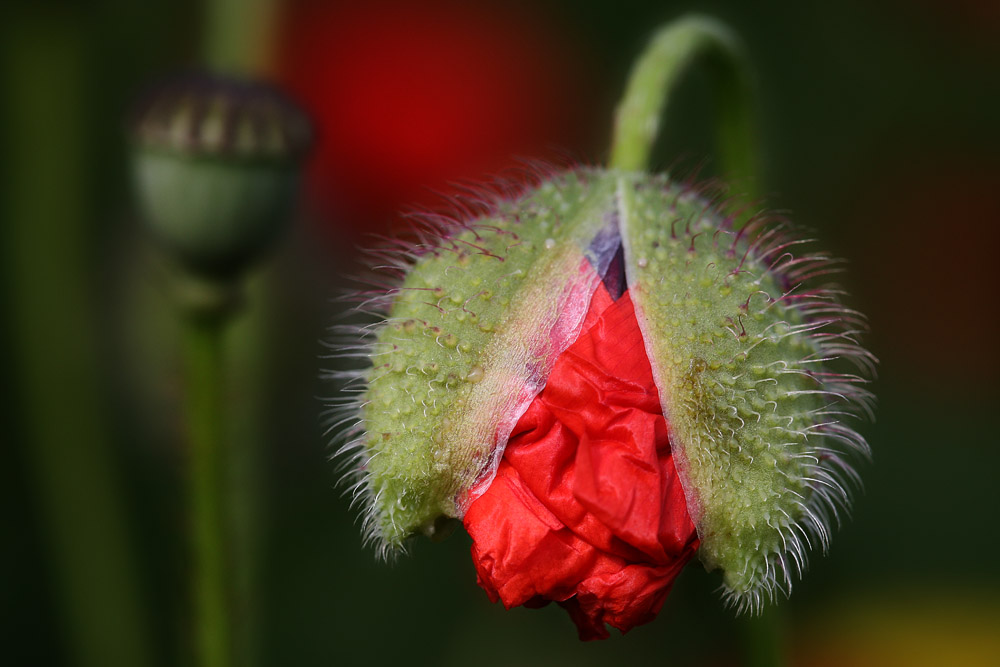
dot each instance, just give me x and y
(753, 367)
(216, 164)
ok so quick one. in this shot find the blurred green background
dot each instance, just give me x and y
(880, 130)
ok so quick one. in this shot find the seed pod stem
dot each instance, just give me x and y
(204, 402)
(672, 50)
(238, 35)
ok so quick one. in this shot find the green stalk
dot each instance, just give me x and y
(210, 529)
(48, 268)
(762, 638)
(238, 35)
(247, 354)
(672, 50)
(238, 38)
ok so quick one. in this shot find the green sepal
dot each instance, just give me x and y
(746, 354)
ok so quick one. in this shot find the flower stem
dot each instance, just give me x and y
(762, 638)
(673, 49)
(58, 411)
(238, 35)
(211, 586)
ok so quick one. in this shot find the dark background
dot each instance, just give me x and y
(878, 122)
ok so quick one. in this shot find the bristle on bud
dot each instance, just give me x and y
(757, 363)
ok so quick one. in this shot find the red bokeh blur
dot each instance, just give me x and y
(411, 97)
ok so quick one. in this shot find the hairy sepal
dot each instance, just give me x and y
(472, 332)
(748, 357)
(756, 362)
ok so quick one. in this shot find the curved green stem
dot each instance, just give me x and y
(210, 529)
(672, 50)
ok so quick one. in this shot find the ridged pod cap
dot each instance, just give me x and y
(756, 362)
(216, 163)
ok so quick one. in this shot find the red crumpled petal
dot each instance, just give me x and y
(586, 508)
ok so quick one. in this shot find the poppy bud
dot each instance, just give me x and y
(216, 165)
(754, 360)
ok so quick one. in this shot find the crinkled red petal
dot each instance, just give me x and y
(586, 508)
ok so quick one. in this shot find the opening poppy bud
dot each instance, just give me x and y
(216, 164)
(608, 372)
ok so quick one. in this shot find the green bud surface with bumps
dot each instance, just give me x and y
(742, 353)
(746, 354)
